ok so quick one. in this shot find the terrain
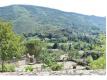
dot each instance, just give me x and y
(37, 40)
(28, 19)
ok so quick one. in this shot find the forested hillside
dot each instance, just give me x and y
(28, 19)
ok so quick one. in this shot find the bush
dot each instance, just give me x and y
(89, 59)
(99, 63)
(64, 47)
(34, 47)
(47, 58)
(28, 69)
(73, 54)
(8, 68)
(95, 55)
(49, 61)
(55, 46)
(56, 67)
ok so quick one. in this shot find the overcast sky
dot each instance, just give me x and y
(89, 7)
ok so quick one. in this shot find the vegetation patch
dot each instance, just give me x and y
(28, 69)
(8, 68)
(57, 67)
(99, 63)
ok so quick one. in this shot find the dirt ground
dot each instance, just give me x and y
(67, 70)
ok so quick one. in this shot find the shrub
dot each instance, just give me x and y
(34, 47)
(55, 46)
(99, 63)
(56, 67)
(89, 59)
(8, 68)
(47, 58)
(95, 55)
(73, 54)
(28, 69)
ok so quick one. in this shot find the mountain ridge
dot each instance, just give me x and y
(28, 18)
(50, 8)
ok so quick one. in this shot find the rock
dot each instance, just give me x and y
(87, 68)
(74, 66)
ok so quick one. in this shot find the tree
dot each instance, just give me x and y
(10, 43)
(50, 35)
(70, 46)
(55, 46)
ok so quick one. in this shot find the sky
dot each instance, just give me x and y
(88, 7)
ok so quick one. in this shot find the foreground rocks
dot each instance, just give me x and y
(63, 72)
(67, 70)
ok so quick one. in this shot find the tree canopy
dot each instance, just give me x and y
(10, 44)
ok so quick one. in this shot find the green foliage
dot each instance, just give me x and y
(84, 32)
(47, 58)
(55, 46)
(29, 19)
(56, 54)
(74, 54)
(64, 47)
(99, 63)
(101, 44)
(63, 39)
(34, 47)
(10, 44)
(89, 59)
(8, 68)
(28, 69)
(95, 55)
(56, 67)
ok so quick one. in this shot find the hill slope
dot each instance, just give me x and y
(27, 18)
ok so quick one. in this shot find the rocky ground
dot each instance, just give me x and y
(67, 70)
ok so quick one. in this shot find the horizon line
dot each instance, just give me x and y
(54, 9)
